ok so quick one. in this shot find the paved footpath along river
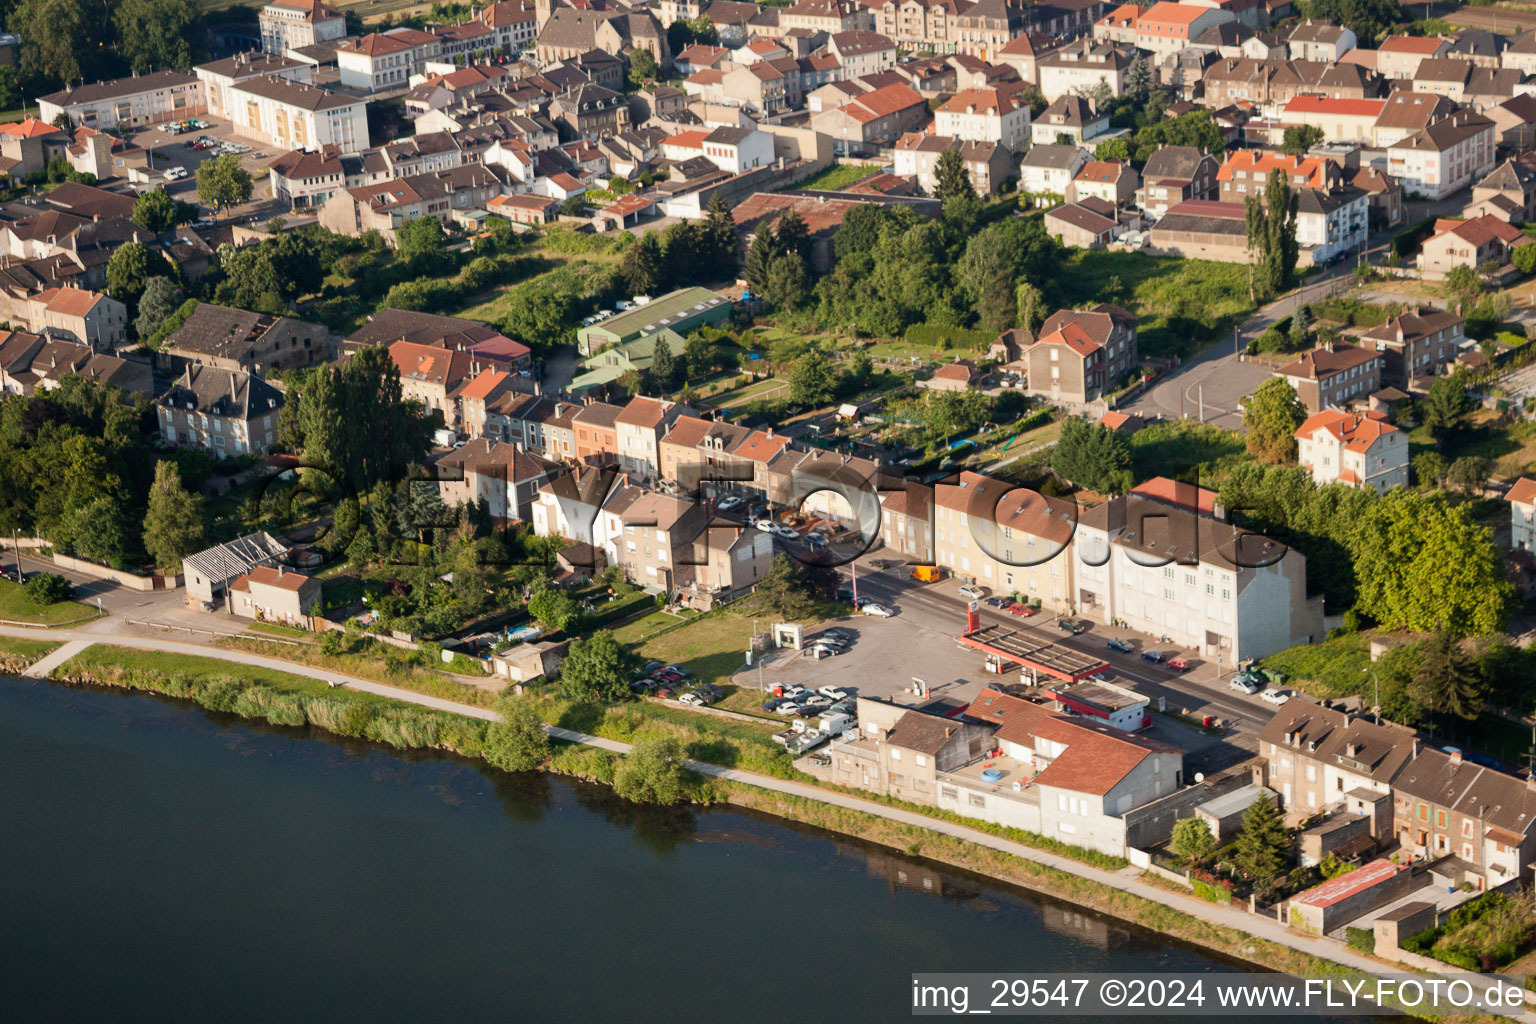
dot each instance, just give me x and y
(165, 864)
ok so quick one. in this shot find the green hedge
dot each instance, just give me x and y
(939, 337)
(1362, 940)
(1213, 893)
(1408, 239)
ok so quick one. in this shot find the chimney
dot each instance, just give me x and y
(281, 569)
(1455, 757)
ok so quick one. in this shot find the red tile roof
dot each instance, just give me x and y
(484, 384)
(1411, 44)
(1524, 491)
(1357, 431)
(287, 579)
(1324, 105)
(1177, 494)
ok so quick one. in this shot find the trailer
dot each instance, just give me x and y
(1037, 657)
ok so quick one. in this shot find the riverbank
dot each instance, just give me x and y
(296, 701)
(16, 654)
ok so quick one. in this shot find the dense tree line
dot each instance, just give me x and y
(69, 41)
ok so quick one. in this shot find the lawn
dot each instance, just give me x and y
(645, 627)
(16, 654)
(1172, 448)
(837, 176)
(104, 660)
(1333, 668)
(16, 606)
(759, 389)
(712, 648)
(1183, 305)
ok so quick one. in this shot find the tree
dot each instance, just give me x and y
(517, 743)
(953, 178)
(130, 269)
(1272, 417)
(1138, 77)
(155, 211)
(642, 67)
(788, 283)
(159, 300)
(957, 412)
(642, 265)
(813, 381)
(760, 253)
(1464, 282)
(1093, 456)
(1263, 843)
(1525, 259)
(1429, 468)
(1468, 474)
(1446, 679)
(56, 32)
(1029, 303)
(663, 371)
(1445, 408)
(173, 520)
(96, 531)
(156, 35)
(719, 247)
(555, 608)
(1271, 225)
(782, 589)
(1192, 839)
(10, 88)
(1300, 138)
(1368, 19)
(222, 182)
(652, 772)
(595, 668)
(790, 234)
(423, 246)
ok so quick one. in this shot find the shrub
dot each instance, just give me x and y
(1362, 940)
(941, 337)
(47, 588)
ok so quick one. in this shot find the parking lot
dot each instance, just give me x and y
(170, 151)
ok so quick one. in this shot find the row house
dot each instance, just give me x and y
(639, 429)
(223, 412)
(1010, 539)
(1082, 67)
(221, 76)
(79, 315)
(236, 339)
(465, 43)
(872, 119)
(1081, 355)
(1399, 57)
(597, 434)
(1406, 114)
(1332, 216)
(1157, 560)
(1520, 53)
(1064, 19)
(1415, 344)
(586, 506)
(1334, 375)
(906, 521)
(1176, 174)
(32, 362)
(985, 115)
(1446, 806)
(1323, 760)
(916, 155)
(1354, 449)
(513, 21)
(432, 376)
(1166, 28)
(384, 207)
(1446, 156)
(919, 24)
(829, 16)
(1463, 82)
(502, 478)
(1469, 243)
(1274, 83)
(127, 103)
(308, 178)
(386, 60)
(672, 546)
(983, 28)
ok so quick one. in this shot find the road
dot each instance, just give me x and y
(1126, 879)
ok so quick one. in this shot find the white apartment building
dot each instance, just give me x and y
(386, 60)
(1009, 539)
(291, 24)
(1169, 572)
(1331, 223)
(515, 23)
(985, 115)
(127, 102)
(1450, 154)
(1355, 449)
(221, 76)
(291, 115)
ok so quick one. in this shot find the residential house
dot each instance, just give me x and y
(1406, 114)
(1081, 355)
(223, 412)
(1163, 569)
(876, 117)
(514, 22)
(385, 206)
(276, 594)
(1508, 193)
(220, 76)
(209, 573)
(900, 753)
(1320, 41)
(1417, 343)
(567, 33)
(1023, 53)
(1173, 175)
(906, 521)
(1049, 170)
(1069, 116)
(1400, 56)
(504, 477)
(597, 435)
(960, 375)
(294, 24)
(1522, 514)
(982, 29)
(1444, 806)
(1448, 155)
(31, 362)
(862, 52)
(985, 115)
(1166, 28)
(829, 16)
(1090, 223)
(1112, 181)
(1339, 120)
(1334, 375)
(1514, 123)
(1009, 538)
(235, 339)
(431, 375)
(1323, 760)
(1384, 197)
(916, 155)
(79, 315)
(1080, 67)
(1468, 243)
(640, 428)
(590, 111)
(1355, 449)
(305, 178)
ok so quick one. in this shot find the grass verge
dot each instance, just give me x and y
(17, 654)
(18, 607)
(403, 674)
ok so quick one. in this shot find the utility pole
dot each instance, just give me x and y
(16, 550)
(1202, 403)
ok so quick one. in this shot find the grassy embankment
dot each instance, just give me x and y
(16, 654)
(16, 606)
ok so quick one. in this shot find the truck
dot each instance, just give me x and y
(835, 724)
(798, 738)
(927, 573)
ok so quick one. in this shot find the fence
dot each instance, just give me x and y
(212, 632)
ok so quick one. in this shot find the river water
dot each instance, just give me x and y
(163, 864)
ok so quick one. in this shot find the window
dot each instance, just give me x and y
(977, 800)
(895, 754)
(898, 779)
(1439, 819)
(922, 762)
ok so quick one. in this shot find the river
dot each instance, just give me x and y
(164, 864)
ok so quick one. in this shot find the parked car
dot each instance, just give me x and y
(783, 533)
(826, 650)
(691, 699)
(764, 524)
(1156, 657)
(846, 707)
(1275, 697)
(972, 593)
(816, 540)
(664, 692)
(1242, 684)
(997, 602)
(1123, 646)
(1024, 610)
(843, 594)
(677, 669)
(789, 707)
(1073, 626)
(816, 700)
(829, 641)
(1179, 664)
(729, 502)
(879, 610)
(837, 634)
(833, 692)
